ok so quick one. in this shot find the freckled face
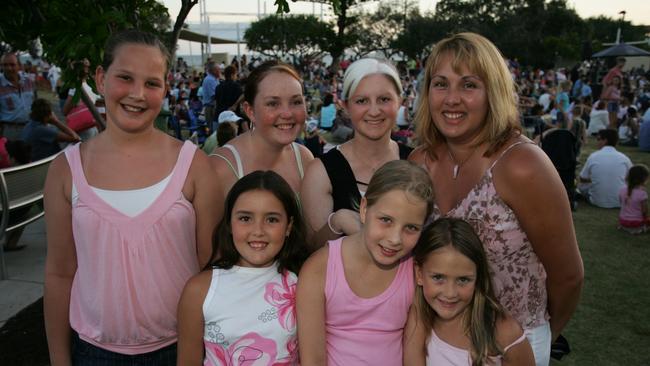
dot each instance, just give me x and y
(448, 280)
(457, 101)
(133, 87)
(278, 110)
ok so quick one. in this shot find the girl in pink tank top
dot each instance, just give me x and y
(457, 320)
(354, 295)
(129, 215)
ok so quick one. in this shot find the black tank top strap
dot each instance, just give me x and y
(345, 193)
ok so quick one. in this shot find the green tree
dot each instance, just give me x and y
(294, 35)
(379, 31)
(72, 30)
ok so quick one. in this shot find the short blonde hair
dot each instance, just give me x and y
(481, 57)
(368, 66)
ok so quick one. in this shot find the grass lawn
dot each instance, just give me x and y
(612, 323)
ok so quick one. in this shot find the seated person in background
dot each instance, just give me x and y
(598, 118)
(313, 141)
(604, 172)
(44, 131)
(231, 122)
(634, 217)
(644, 135)
(629, 129)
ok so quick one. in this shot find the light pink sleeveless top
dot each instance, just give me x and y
(131, 270)
(441, 353)
(518, 275)
(362, 331)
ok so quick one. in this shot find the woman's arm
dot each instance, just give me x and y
(207, 202)
(67, 106)
(528, 182)
(317, 204)
(190, 320)
(415, 338)
(310, 306)
(60, 262)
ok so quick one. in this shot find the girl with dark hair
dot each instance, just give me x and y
(242, 306)
(129, 216)
(457, 320)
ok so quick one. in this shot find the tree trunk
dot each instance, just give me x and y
(186, 6)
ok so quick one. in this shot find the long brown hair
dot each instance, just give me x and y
(484, 310)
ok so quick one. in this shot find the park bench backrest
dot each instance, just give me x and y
(21, 187)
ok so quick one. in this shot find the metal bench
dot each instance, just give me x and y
(21, 199)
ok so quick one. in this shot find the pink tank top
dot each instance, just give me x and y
(518, 275)
(131, 270)
(362, 331)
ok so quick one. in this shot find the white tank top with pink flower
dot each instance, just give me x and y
(250, 317)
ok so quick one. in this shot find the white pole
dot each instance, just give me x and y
(238, 50)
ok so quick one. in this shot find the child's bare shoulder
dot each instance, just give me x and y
(198, 286)
(316, 264)
(508, 330)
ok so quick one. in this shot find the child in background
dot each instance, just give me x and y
(633, 216)
(354, 293)
(456, 319)
(242, 311)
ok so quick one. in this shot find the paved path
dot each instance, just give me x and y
(26, 270)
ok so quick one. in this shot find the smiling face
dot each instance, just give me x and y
(278, 111)
(448, 280)
(133, 87)
(392, 226)
(259, 227)
(458, 102)
(373, 106)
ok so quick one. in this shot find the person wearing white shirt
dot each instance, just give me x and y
(604, 172)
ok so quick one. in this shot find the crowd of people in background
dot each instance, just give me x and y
(414, 177)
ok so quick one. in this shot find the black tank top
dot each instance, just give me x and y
(345, 193)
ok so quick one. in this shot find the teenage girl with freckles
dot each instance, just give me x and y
(129, 218)
(354, 294)
(275, 104)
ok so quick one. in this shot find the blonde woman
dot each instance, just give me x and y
(485, 172)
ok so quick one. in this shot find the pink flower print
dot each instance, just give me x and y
(249, 350)
(283, 297)
(292, 349)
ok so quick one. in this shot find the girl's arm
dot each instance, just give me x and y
(528, 182)
(310, 306)
(518, 352)
(207, 202)
(415, 338)
(60, 262)
(644, 209)
(190, 320)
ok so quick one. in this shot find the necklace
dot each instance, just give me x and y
(458, 165)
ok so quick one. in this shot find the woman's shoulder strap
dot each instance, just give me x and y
(296, 152)
(506, 150)
(239, 171)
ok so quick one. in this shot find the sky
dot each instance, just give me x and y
(637, 11)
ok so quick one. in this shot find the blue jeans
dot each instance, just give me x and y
(86, 354)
